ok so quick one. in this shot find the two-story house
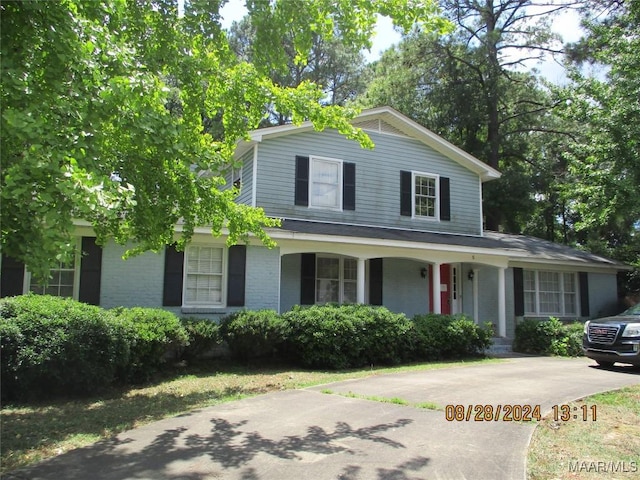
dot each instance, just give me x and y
(399, 226)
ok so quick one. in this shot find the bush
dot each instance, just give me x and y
(53, 346)
(203, 336)
(441, 337)
(548, 337)
(253, 334)
(154, 333)
(348, 336)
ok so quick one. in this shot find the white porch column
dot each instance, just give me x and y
(361, 275)
(502, 303)
(435, 289)
(476, 308)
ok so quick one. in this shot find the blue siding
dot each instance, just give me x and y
(377, 180)
(247, 179)
(603, 295)
(403, 289)
(290, 282)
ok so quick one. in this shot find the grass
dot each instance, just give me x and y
(34, 432)
(394, 400)
(608, 447)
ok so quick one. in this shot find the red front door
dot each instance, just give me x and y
(445, 288)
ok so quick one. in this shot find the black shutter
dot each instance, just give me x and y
(585, 311)
(173, 275)
(518, 291)
(348, 186)
(308, 279)
(375, 281)
(90, 271)
(405, 193)
(237, 275)
(302, 181)
(445, 199)
(12, 281)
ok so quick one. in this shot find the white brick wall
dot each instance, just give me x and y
(263, 278)
(134, 282)
(139, 280)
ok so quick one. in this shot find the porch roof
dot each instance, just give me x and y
(518, 248)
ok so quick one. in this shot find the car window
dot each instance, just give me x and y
(635, 310)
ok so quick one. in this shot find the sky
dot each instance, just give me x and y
(567, 25)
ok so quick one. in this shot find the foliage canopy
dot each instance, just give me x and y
(104, 105)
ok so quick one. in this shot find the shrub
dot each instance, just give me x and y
(449, 336)
(348, 336)
(153, 334)
(52, 346)
(203, 336)
(548, 337)
(253, 334)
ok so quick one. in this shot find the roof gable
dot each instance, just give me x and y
(384, 120)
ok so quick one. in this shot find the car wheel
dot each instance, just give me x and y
(604, 364)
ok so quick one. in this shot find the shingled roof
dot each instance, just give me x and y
(520, 247)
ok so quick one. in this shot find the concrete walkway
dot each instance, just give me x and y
(319, 433)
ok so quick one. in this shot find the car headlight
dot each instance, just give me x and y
(631, 330)
(586, 327)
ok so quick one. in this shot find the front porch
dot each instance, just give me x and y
(417, 284)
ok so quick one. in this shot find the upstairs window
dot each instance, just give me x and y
(325, 183)
(425, 196)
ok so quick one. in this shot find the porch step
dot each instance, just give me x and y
(500, 346)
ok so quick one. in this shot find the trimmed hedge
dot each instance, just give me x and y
(203, 336)
(52, 346)
(55, 346)
(254, 334)
(449, 336)
(154, 332)
(549, 337)
(348, 336)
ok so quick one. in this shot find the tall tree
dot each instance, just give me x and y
(605, 159)
(335, 66)
(103, 107)
(437, 82)
(504, 35)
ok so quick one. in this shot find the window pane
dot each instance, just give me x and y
(60, 282)
(328, 268)
(349, 293)
(425, 196)
(350, 269)
(529, 302)
(549, 302)
(570, 304)
(327, 291)
(569, 282)
(203, 284)
(325, 184)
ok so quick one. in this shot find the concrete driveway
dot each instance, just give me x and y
(318, 433)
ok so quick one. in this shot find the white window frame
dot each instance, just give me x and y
(26, 285)
(341, 278)
(223, 278)
(562, 293)
(313, 160)
(436, 179)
